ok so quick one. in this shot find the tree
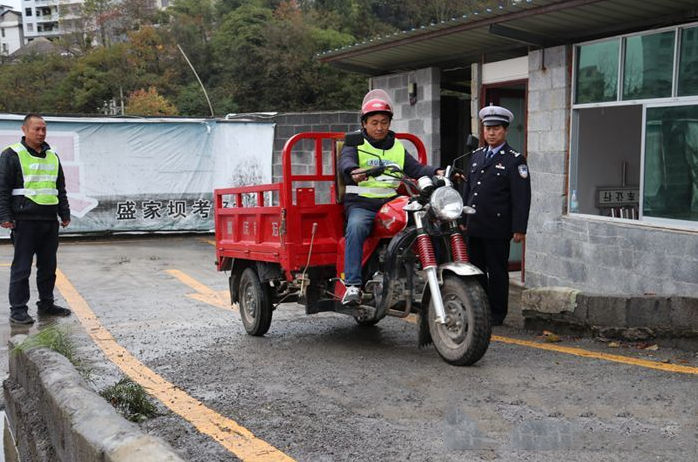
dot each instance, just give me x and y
(149, 103)
(260, 49)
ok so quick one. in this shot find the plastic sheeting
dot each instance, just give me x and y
(151, 175)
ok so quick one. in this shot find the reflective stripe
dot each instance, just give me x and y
(389, 181)
(41, 166)
(34, 192)
(382, 192)
(39, 178)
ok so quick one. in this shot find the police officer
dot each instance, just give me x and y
(498, 187)
(366, 195)
(32, 197)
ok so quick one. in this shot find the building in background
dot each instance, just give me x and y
(605, 94)
(11, 33)
(49, 18)
(52, 18)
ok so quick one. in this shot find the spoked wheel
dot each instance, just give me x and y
(255, 306)
(464, 339)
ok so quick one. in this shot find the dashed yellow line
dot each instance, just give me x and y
(231, 435)
(203, 293)
(207, 241)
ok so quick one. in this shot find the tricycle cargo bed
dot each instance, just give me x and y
(284, 222)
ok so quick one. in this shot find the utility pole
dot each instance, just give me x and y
(197, 78)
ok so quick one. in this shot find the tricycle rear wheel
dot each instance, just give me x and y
(255, 305)
(464, 339)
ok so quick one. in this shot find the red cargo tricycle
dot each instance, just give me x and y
(283, 242)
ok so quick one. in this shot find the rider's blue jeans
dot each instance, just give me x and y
(359, 226)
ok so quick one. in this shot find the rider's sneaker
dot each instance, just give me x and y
(352, 296)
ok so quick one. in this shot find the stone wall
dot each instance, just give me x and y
(595, 255)
(54, 416)
(289, 124)
(423, 118)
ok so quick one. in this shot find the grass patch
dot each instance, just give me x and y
(54, 338)
(58, 339)
(130, 400)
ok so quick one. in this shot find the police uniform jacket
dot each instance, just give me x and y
(500, 192)
(19, 207)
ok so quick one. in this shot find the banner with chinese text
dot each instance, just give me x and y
(149, 175)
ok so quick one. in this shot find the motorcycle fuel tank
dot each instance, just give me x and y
(391, 218)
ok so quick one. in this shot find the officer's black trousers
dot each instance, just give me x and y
(492, 257)
(31, 238)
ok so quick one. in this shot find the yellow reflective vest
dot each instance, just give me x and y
(39, 175)
(382, 186)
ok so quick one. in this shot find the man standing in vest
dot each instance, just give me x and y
(32, 197)
(366, 195)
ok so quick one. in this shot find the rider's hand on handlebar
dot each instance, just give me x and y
(358, 175)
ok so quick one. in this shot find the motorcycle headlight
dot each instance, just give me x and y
(446, 203)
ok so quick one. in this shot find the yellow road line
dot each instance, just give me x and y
(598, 355)
(207, 241)
(203, 293)
(5, 264)
(231, 435)
(587, 353)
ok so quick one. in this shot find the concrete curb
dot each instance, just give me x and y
(673, 320)
(55, 416)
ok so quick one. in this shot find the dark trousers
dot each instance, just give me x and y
(492, 257)
(31, 238)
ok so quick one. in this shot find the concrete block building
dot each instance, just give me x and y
(605, 97)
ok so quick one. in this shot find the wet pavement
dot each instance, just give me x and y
(321, 388)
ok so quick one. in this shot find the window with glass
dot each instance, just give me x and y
(597, 72)
(635, 137)
(648, 66)
(671, 163)
(688, 62)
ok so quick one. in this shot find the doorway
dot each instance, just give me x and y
(511, 95)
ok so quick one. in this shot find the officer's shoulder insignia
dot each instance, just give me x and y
(523, 171)
(516, 154)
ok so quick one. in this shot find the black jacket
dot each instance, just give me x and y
(500, 191)
(14, 208)
(349, 161)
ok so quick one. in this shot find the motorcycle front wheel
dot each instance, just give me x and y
(464, 339)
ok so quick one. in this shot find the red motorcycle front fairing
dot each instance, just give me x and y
(390, 220)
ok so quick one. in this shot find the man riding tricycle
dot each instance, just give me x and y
(409, 258)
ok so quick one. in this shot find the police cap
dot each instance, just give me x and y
(496, 115)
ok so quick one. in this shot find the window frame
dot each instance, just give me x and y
(673, 100)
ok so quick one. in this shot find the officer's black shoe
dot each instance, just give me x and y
(21, 317)
(53, 310)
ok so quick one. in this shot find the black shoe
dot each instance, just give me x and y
(21, 317)
(54, 310)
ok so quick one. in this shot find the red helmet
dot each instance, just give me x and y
(376, 105)
(376, 101)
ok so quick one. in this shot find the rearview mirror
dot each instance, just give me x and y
(472, 142)
(354, 139)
